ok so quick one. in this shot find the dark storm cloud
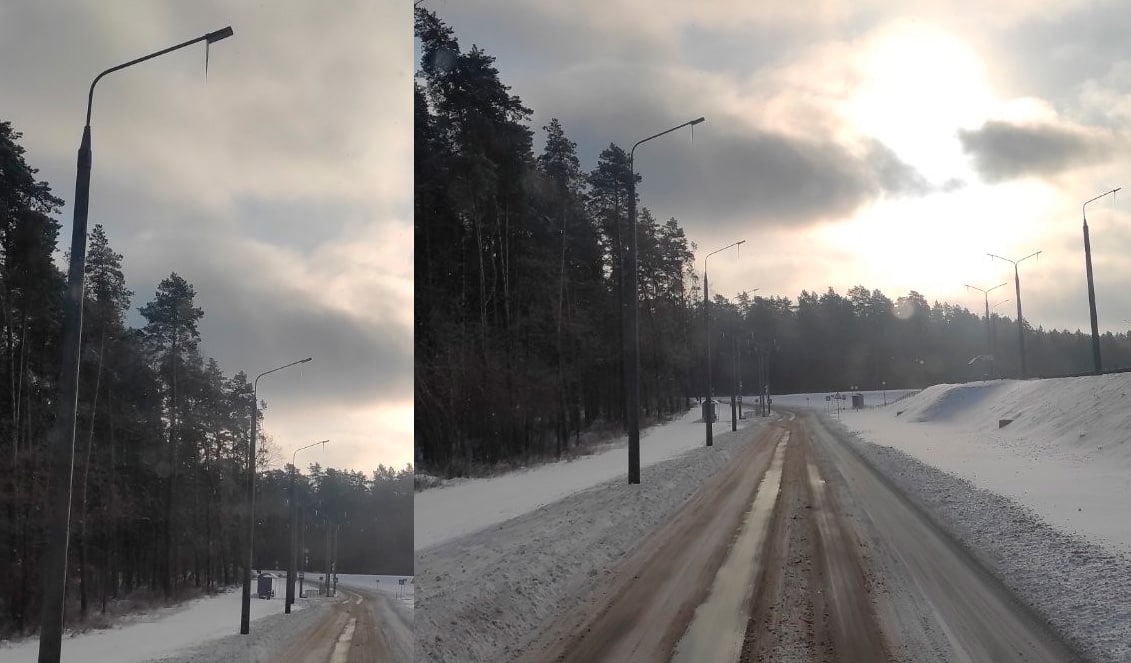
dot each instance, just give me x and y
(1004, 151)
(279, 185)
(769, 178)
(733, 171)
(257, 318)
(354, 364)
(1053, 53)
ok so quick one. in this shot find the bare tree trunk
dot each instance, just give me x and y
(563, 427)
(482, 287)
(109, 531)
(86, 478)
(169, 580)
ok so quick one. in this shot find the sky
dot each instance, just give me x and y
(278, 183)
(890, 144)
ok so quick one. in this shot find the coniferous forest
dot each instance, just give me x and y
(158, 506)
(518, 294)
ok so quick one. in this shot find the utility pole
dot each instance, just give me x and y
(1020, 319)
(630, 312)
(334, 565)
(735, 391)
(1096, 363)
(710, 416)
(302, 547)
(989, 328)
(328, 569)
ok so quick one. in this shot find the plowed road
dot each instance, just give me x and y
(361, 627)
(800, 551)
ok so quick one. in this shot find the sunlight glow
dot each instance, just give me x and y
(920, 85)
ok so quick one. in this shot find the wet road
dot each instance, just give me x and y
(363, 626)
(799, 551)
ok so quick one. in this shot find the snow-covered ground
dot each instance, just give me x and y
(816, 401)
(465, 506)
(388, 584)
(157, 634)
(1066, 454)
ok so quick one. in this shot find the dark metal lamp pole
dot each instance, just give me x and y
(989, 334)
(709, 416)
(61, 438)
(631, 343)
(294, 530)
(1020, 320)
(1096, 363)
(245, 604)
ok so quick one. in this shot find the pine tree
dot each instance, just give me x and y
(172, 336)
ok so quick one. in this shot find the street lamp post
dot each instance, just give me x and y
(993, 330)
(62, 435)
(989, 333)
(245, 607)
(738, 366)
(631, 343)
(1020, 320)
(294, 530)
(710, 415)
(1096, 363)
(734, 390)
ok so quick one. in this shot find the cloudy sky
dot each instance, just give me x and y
(877, 142)
(279, 185)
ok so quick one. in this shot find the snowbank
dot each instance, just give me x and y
(1080, 588)
(443, 514)
(1065, 455)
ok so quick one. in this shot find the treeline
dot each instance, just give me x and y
(161, 439)
(518, 275)
(364, 523)
(864, 339)
(518, 281)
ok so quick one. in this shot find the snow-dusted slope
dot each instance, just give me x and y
(166, 631)
(1065, 455)
(462, 507)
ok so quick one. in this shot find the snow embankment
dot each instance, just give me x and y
(465, 506)
(1043, 502)
(1065, 454)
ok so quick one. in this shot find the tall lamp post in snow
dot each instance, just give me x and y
(630, 350)
(245, 607)
(1096, 363)
(738, 370)
(709, 415)
(62, 436)
(1020, 320)
(294, 529)
(989, 334)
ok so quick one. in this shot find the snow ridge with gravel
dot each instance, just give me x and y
(1081, 588)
